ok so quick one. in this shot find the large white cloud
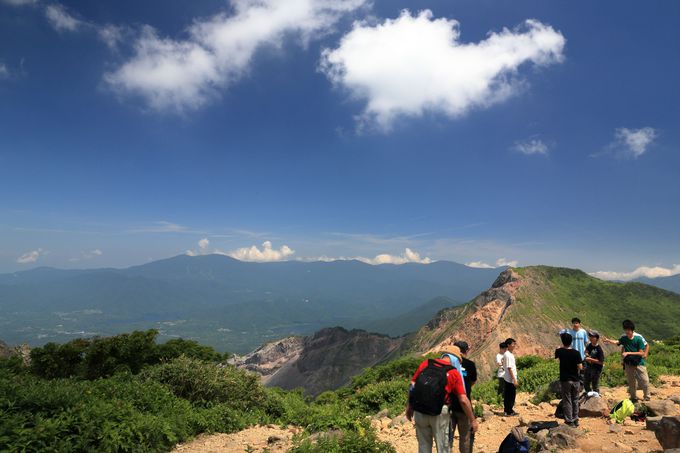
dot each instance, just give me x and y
(60, 19)
(30, 257)
(634, 142)
(409, 256)
(642, 271)
(265, 254)
(415, 64)
(185, 74)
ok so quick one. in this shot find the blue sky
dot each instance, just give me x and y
(131, 131)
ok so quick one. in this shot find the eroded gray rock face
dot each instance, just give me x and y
(668, 432)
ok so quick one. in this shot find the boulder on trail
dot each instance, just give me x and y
(661, 407)
(652, 423)
(668, 432)
(593, 407)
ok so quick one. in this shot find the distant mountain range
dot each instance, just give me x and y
(230, 304)
(671, 283)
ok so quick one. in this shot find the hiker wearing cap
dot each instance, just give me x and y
(634, 351)
(594, 362)
(502, 347)
(435, 384)
(458, 417)
(511, 378)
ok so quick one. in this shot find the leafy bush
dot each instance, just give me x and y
(527, 361)
(102, 357)
(361, 440)
(204, 383)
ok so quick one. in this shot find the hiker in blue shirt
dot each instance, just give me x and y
(579, 337)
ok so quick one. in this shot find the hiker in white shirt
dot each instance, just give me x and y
(510, 377)
(502, 348)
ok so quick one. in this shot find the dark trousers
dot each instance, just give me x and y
(509, 397)
(570, 402)
(501, 386)
(592, 378)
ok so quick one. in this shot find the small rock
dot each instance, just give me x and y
(652, 423)
(487, 415)
(629, 431)
(615, 429)
(523, 421)
(628, 422)
(555, 403)
(675, 399)
(662, 407)
(398, 421)
(383, 413)
(273, 439)
(622, 447)
(545, 407)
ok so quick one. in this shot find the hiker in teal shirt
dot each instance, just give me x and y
(634, 351)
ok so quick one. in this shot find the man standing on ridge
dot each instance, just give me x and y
(502, 347)
(511, 379)
(579, 337)
(634, 351)
(434, 386)
(458, 417)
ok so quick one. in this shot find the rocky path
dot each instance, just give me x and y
(595, 434)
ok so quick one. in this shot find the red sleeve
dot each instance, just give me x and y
(422, 366)
(454, 385)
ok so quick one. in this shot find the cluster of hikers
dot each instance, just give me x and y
(440, 390)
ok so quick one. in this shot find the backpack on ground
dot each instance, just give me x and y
(622, 411)
(515, 442)
(429, 392)
(535, 427)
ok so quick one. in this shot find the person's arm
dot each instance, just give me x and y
(467, 408)
(610, 341)
(594, 360)
(580, 366)
(512, 375)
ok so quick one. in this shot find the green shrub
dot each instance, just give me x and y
(204, 383)
(361, 440)
(527, 361)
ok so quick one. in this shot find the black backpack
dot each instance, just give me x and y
(429, 392)
(515, 442)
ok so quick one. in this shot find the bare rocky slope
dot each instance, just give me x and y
(323, 361)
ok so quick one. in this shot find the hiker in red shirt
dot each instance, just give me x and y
(433, 386)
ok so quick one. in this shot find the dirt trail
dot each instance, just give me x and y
(400, 433)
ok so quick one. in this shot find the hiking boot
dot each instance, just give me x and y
(572, 424)
(511, 414)
(647, 398)
(576, 423)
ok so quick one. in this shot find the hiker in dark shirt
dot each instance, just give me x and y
(594, 362)
(458, 417)
(570, 367)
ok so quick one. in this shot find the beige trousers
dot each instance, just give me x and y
(435, 427)
(637, 376)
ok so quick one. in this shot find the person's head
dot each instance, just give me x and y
(629, 328)
(452, 350)
(594, 337)
(511, 343)
(566, 339)
(575, 323)
(502, 347)
(463, 346)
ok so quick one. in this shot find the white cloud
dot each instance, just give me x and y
(60, 19)
(266, 254)
(163, 227)
(4, 71)
(500, 262)
(531, 146)
(185, 74)
(416, 64)
(87, 255)
(30, 257)
(112, 35)
(642, 271)
(203, 243)
(409, 256)
(634, 142)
